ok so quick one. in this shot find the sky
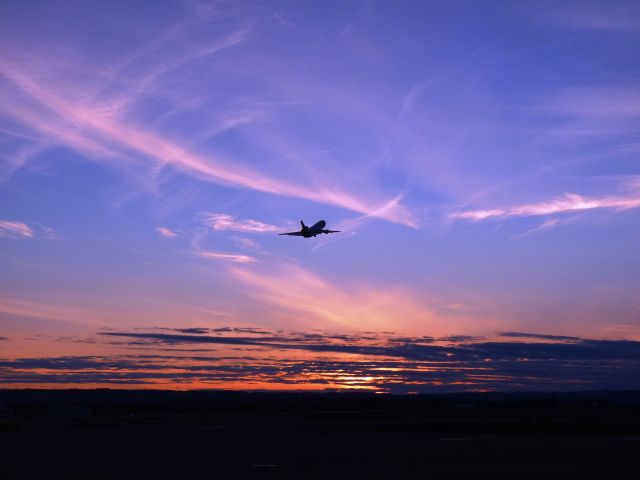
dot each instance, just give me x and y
(479, 158)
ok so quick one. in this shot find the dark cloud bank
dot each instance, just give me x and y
(377, 362)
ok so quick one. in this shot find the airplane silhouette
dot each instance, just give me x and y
(308, 232)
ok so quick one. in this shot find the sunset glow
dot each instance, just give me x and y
(480, 160)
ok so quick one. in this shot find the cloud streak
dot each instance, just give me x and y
(97, 130)
(11, 229)
(223, 222)
(292, 291)
(226, 257)
(568, 203)
(291, 294)
(165, 232)
(600, 16)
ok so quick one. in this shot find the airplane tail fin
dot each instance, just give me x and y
(302, 223)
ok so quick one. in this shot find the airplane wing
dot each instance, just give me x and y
(330, 231)
(294, 234)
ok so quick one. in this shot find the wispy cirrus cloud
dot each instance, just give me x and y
(294, 293)
(57, 311)
(609, 103)
(227, 257)
(223, 221)
(12, 229)
(98, 128)
(568, 203)
(148, 81)
(598, 16)
(246, 243)
(350, 227)
(165, 232)
(15, 160)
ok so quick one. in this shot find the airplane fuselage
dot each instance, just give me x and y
(315, 229)
(308, 232)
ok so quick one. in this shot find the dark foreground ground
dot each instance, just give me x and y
(225, 435)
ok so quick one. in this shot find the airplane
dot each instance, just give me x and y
(308, 232)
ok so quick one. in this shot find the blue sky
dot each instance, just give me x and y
(481, 159)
